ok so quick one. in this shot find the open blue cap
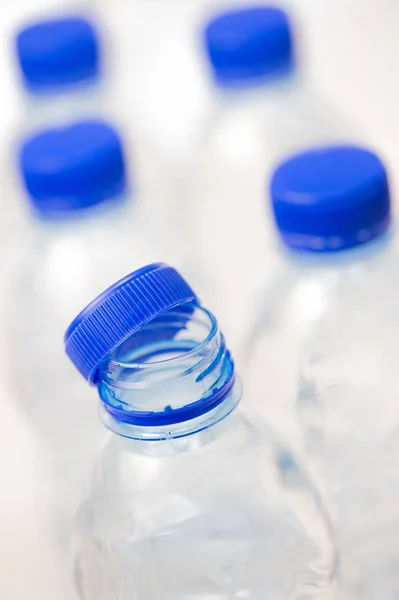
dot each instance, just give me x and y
(331, 198)
(249, 43)
(73, 167)
(120, 311)
(58, 52)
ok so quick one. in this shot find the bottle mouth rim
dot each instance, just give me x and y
(182, 349)
(144, 363)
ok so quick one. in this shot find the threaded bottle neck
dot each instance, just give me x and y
(171, 379)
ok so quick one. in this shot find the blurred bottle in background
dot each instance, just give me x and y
(149, 527)
(261, 111)
(16, 17)
(51, 63)
(87, 228)
(57, 76)
(69, 68)
(161, 96)
(60, 62)
(326, 343)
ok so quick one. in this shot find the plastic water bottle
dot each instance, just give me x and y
(190, 497)
(326, 342)
(85, 231)
(64, 64)
(262, 110)
(60, 63)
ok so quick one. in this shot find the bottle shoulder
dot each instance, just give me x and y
(163, 461)
(312, 286)
(244, 461)
(307, 312)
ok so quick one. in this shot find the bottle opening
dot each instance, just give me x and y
(171, 378)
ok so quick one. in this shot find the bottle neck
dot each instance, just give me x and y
(57, 221)
(64, 90)
(260, 90)
(365, 251)
(220, 430)
(173, 378)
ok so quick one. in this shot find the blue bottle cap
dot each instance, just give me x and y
(331, 198)
(58, 52)
(249, 43)
(120, 311)
(73, 167)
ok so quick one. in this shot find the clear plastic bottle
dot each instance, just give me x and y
(60, 61)
(190, 497)
(71, 70)
(262, 110)
(326, 341)
(86, 230)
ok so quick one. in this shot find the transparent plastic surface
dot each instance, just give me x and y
(249, 131)
(303, 291)
(63, 265)
(210, 507)
(58, 106)
(327, 345)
